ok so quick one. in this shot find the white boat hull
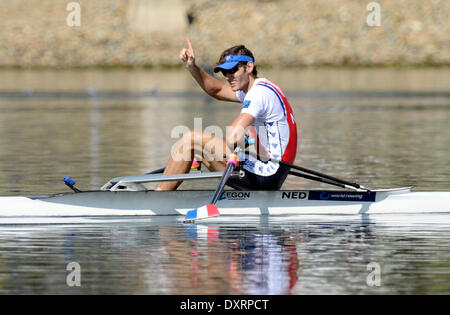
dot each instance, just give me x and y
(134, 203)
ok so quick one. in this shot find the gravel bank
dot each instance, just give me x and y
(34, 33)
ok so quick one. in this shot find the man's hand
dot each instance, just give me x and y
(187, 56)
(213, 87)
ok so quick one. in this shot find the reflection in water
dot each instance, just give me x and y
(260, 259)
(262, 256)
(254, 262)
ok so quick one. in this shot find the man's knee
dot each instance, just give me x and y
(192, 137)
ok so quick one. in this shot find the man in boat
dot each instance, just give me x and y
(265, 115)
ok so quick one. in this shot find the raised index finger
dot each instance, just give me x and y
(189, 44)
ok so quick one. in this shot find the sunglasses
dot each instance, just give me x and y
(230, 71)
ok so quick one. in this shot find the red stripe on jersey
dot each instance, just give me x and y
(291, 149)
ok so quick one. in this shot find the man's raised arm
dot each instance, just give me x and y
(208, 83)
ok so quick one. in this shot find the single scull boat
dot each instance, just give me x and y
(128, 196)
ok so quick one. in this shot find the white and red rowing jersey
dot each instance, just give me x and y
(274, 128)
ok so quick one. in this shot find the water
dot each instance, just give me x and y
(328, 255)
(379, 127)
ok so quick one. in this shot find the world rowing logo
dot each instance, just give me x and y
(342, 196)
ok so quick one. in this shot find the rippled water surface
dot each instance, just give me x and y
(380, 127)
(327, 255)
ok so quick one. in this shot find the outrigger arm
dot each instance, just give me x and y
(136, 182)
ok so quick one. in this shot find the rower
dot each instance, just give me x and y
(265, 110)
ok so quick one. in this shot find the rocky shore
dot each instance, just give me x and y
(35, 33)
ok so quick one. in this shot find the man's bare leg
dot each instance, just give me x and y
(208, 148)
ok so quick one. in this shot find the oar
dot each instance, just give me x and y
(195, 165)
(158, 171)
(71, 184)
(321, 180)
(210, 210)
(344, 182)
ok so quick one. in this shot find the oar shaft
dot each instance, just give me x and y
(303, 169)
(195, 164)
(335, 179)
(158, 171)
(210, 210)
(321, 180)
(223, 181)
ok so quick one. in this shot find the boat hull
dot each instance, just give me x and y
(133, 203)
